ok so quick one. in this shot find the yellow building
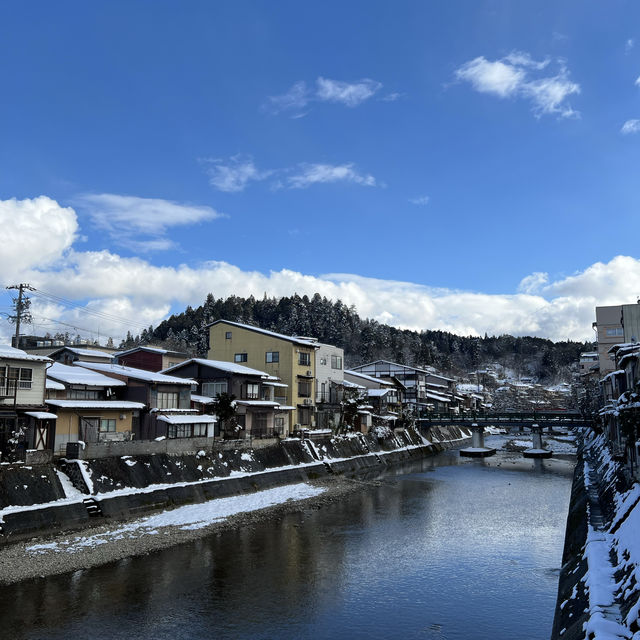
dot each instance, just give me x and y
(290, 358)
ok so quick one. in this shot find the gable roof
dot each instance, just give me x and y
(80, 375)
(145, 347)
(11, 353)
(364, 376)
(305, 342)
(406, 366)
(231, 367)
(136, 374)
(95, 353)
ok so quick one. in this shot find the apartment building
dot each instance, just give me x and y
(292, 359)
(615, 325)
(329, 384)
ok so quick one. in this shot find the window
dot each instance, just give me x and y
(187, 430)
(278, 423)
(304, 389)
(83, 394)
(167, 400)
(107, 424)
(214, 389)
(240, 357)
(12, 377)
(336, 362)
(252, 391)
(273, 356)
(615, 332)
(323, 361)
(304, 359)
(227, 335)
(304, 416)
(25, 378)
(200, 430)
(259, 425)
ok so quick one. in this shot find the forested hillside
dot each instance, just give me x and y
(364, 340)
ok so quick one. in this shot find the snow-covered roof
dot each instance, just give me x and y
(628, 356)
(376, 393)
(53, 385)
(136, 374)
(81, 376)
(406, 366)
(258, 403)
(352, 385)
(95, 404)
(186, 419)
(150, 349)
(274, 384)
(231, 367)
(285, 407)
(619, 372)
(84, 352)
(621, 345)
(364, 376)
(201, 399)
(437, 396)
(306, 342)
(11, 353)
(41, 415)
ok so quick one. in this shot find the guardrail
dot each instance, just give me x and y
(506, 418)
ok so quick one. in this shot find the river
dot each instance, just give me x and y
(445, 548)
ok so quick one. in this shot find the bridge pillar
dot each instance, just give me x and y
(537, 451)
(477, 448)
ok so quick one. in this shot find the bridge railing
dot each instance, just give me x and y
(508, 417)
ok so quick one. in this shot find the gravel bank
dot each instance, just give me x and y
(41, 557)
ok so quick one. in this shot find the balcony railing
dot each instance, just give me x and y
(330, 397)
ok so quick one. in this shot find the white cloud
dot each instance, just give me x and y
(630, 126)
(143, 292)
(350, 94)
(148, 216)
(421, 201)
(296, 99)
(141, 224)
(234, 174)
(491, 77)
(629, 45)
(322, 173)
(637, 82)
(392, 97)
(35, 232)
(511, 77)
(533, 283)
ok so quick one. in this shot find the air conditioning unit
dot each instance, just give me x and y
(307, 401)
(309, 372)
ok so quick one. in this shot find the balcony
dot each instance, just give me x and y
(334, 396)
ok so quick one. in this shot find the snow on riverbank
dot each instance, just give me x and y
(189, 517)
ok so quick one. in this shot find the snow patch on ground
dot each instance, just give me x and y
(188, 517)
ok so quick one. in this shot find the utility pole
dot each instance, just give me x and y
(22, 306)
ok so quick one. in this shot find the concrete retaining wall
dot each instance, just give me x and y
(173, 480)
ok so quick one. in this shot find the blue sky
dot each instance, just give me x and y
(421, 160)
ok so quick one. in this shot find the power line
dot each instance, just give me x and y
(101, 315)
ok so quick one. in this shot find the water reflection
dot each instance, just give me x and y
(443, 548)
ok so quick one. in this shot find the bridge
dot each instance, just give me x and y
(548, 419)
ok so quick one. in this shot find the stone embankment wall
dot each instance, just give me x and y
(78, 492)
(599, 585)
